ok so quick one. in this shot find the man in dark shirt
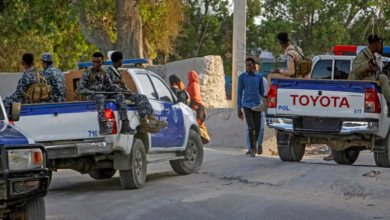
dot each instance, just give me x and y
(148, 121)
(101, 82)
(250, 84)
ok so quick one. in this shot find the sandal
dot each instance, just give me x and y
(328, 158)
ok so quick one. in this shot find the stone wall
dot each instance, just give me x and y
(227, 130)
(211, 77)
(8, 83)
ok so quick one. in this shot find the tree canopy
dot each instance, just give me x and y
(72, 29)
(318, 25)
(169, 30)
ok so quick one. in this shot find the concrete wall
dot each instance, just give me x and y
(211, 77)
(8, 83)
(227, 130)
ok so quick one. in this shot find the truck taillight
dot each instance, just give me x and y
(272, 96)
(372, 104)
(110, 117)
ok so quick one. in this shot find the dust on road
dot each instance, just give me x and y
(230, 186)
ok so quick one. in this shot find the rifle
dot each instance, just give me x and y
(107, 93)
(122, 80)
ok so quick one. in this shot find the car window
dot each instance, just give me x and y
(342, 69)
(322, 70)
(147, 86)
(162, 90)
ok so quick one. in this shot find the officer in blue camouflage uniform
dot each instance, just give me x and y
(27, 79)
(144, 108)
(54, 77)
(102, 83)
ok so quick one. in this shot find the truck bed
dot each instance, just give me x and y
(63, 121)
(328, 106)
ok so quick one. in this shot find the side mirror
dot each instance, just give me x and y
(182, 96)
(14, 111)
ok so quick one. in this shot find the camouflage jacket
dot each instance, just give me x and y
(27, 79)
(111, 74)
(56, 79)
(360, 65)
(99, 83)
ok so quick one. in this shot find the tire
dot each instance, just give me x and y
(347, 157)
(382, 159)
(50, 174)
(193, 156)
(34, 209)
(288, 148)
(136, 177)
(101, 174)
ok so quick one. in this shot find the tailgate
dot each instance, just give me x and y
(62, 121)
(321, 98)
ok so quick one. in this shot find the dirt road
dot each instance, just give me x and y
(230, 186)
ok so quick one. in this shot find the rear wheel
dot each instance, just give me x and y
(136, 177)
(348, 156)
(101, 174)
(193, 156)
(289, 149)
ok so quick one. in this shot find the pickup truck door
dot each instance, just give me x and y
(173, 114)
(158, 139)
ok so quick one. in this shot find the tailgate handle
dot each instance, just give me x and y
(319, 92)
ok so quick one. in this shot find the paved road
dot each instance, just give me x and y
(229, 186)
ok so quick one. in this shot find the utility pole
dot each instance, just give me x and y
(239, 45)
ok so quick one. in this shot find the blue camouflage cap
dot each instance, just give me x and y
(47, 57)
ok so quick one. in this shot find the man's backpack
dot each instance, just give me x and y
(81, 97)
(38, 92)
(303, 65)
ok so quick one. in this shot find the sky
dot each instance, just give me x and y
(231, 9)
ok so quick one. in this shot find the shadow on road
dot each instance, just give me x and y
(85, 184)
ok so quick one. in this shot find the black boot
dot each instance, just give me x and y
(260, 150)
(126, 129)
(104, 128)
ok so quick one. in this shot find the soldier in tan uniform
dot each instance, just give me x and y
(292, 54)
(364, 68)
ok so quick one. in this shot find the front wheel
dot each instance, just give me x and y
(289, 148)
(348, 156)
(33, 209)
(136, 177)
(193, 156)
(382, 158)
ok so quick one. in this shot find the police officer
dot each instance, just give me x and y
(364, 67)
(101, 82)
(291, 53)
(27, 79)
(144, 108)
(54, 77)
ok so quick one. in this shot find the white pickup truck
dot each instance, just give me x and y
(348, 116)
(70, 132)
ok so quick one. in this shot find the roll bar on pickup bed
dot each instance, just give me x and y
(136, 62)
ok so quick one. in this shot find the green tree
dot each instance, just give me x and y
(208, 30)
(253, 31)
(315, 25)
(74, 28)
(21, 34)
